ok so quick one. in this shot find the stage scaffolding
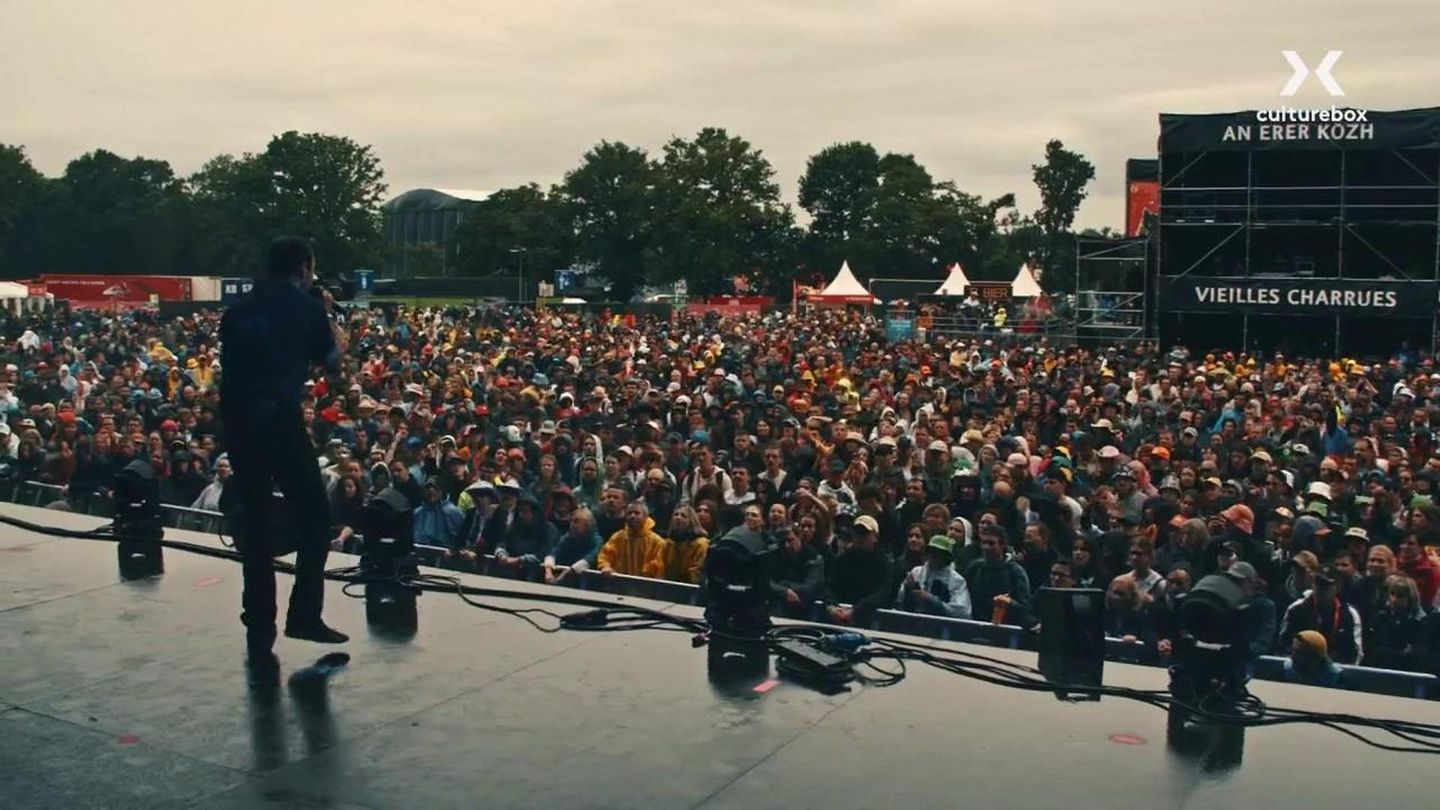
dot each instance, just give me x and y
(1336, 213)
(1112, 291)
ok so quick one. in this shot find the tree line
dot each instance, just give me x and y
(706, 210)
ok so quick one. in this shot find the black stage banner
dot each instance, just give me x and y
(1300, 128)
(1299, 296)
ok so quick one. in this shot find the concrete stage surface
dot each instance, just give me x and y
(133, 694)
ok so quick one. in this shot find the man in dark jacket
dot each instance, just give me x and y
(861, 576)
(799, 576)
(999, 589)
(1323, 610)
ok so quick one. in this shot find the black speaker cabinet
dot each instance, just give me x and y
(1072, 636)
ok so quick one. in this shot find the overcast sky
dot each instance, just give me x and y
(483, 95)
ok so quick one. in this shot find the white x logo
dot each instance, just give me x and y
(1322, 72)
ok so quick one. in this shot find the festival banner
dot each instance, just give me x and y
(1300, 296)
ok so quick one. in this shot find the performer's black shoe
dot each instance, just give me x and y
(317, 631)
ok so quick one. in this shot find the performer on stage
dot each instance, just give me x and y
(270, 340)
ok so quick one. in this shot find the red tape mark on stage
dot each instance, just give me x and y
(207, 582)
(127, 739)
(767, 686)
(1127, 739)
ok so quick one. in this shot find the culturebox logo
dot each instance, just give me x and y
(1286, 123)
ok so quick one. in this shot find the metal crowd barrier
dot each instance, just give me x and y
(1269, 667)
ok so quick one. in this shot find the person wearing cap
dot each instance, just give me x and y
(1259, 617)
(1131, 500)
(834, 485)
(270, 339)
(1323, 610)
(935, 587)
(859, 581)
(1301, 577)
(1310, 663)
(1239, 522)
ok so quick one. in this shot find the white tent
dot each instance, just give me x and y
(16, 298)
(955, 284)
(844, 289)
(1025, 285)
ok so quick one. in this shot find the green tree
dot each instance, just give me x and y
(970, 229)
(609, 199)
(838, 191)
(1061, 179)
(719, 213)
(326, 188)
(107, 214)
(513, 225)
(887, 215)
(20, 186)
(228, 207)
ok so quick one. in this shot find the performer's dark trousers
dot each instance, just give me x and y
(269, 448)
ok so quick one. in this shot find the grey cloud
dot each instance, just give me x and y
(488, 94)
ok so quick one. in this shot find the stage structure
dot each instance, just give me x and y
(1113, 300)
(1312, 231)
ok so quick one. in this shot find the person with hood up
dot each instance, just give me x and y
(526, 541)
(436, 521)
(635, 550)
(1309, 534)
(935, 586)
(209, 498)
(576, 549)
(686, 543)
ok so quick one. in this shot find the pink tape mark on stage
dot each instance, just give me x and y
(127, 739)
(767, 686)
(207, 582)
(1127, 739)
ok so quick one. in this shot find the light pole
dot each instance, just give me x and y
(520, 271)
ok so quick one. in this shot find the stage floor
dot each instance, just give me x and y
(132, 694)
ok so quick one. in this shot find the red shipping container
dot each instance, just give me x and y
(117, 290)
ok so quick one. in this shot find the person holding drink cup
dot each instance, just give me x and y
(999, 587)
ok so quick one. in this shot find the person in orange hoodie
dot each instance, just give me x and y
(635, 550)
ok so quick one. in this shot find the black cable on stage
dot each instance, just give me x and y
(1249, 711)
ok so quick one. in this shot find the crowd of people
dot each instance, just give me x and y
(947, 477)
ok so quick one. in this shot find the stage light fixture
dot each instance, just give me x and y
(387, 549)
(736, 584)
(138, 522)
